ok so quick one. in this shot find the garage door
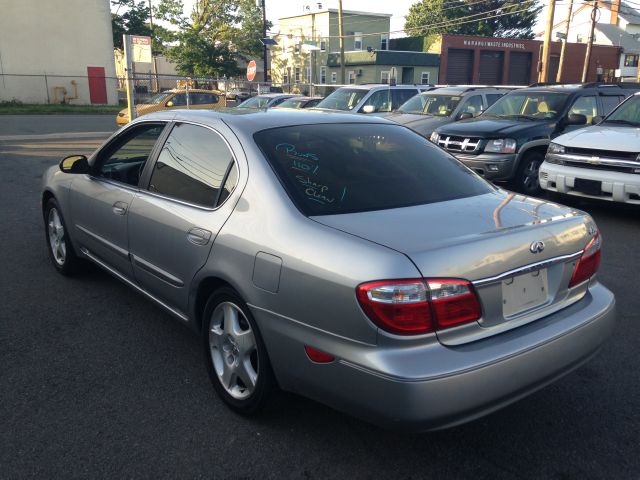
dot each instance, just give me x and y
(459, 66)
(520, 68)
(491, 67)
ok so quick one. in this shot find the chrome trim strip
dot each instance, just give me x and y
(111, 246)
(157, 272)
(527, 268)
(590, 160)
(124, 279)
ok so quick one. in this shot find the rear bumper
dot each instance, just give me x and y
(616, 186)
(432, 386)
(492, 166)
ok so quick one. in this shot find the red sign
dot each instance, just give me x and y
(251, 70)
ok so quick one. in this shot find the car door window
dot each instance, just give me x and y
(586, 106)
(192, 165)
(472, 105)
(401, 95)
(179, 100)
(609, 102)
(492, 98)
(278, 101)
(203, 98)
(381, 100)
(124, 160)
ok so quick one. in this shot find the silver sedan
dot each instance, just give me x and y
(343, 258)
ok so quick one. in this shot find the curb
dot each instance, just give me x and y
(55, 136)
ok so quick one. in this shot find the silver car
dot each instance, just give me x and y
(340, 257)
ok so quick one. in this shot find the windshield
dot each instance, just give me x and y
(343, 99)
(159, 97)
(291, 104)
(534, 105)
(344, 168)
(431, 104)
(255, 102)
(628, 113)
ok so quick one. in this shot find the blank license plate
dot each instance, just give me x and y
(590, 187)
(524, 292)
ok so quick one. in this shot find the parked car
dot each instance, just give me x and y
(300, 102)
(601, 161)
(301, 247)
(238, 94)
(509, 140)
(266, 100)
(429, 110)
(370, 98)
(172, 99)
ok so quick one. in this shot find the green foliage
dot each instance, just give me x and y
(134, 20)
(429, 17)
(214, 36)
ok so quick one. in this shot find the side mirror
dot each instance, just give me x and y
(75, 164)
(169, 103)
(596, 120)
(576, 119)
(465, 115)
(368, 109)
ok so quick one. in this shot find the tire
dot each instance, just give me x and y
(61, 252)
(526, 179)
(236, 356)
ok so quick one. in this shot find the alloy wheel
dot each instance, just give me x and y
(56, 237)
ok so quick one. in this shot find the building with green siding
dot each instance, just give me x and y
(307, 51)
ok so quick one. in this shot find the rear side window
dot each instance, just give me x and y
(338, 168)
(193, 164)
(401, 95)
(610, 102)
(492, 98)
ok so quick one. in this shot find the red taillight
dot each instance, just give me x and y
(588, 263)
(412, 307)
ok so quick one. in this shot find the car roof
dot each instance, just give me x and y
(306, 98)
(369, 86)
(191, 90)
(463, 90)
(254, 120)
(278, 95)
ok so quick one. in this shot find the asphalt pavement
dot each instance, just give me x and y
(97, 382)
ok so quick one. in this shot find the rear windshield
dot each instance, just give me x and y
(336, 168)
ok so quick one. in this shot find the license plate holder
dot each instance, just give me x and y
(524, 292)
(590, 187)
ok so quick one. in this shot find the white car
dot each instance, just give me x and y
(600, 161)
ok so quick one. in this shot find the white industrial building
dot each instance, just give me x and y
(57, 51)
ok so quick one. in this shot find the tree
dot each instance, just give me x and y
(213, 36)
(490, 18)
(135, 21)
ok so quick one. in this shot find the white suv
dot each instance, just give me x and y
(371, 98)
(600, 161)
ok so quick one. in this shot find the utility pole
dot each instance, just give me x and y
(341, 33)
(264, 35)
(587, 56)
(153, 57)
(546, 46)
(564, 43)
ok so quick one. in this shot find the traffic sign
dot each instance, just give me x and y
(251, 70)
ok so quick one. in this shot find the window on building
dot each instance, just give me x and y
(631, 60)
(296, 74)
(334, 77)
(357, 41)
(308, 75)
(384, 77)
(424, 78)
(323, 45)
(285, 76)
(580, 38)
(296, 48)
(323, 75)
(384, 42)
(352, 77)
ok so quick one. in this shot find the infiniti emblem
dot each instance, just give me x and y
(536, 247)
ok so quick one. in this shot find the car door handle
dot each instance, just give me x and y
(199, 236)
(120, 208)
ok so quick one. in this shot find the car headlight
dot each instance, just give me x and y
(434, 137)
(501, 145)
(555, 148)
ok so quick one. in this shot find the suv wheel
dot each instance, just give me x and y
(526, 179)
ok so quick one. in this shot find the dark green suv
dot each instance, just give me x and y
(509, 140)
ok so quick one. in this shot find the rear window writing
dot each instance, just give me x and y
(344, 168)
